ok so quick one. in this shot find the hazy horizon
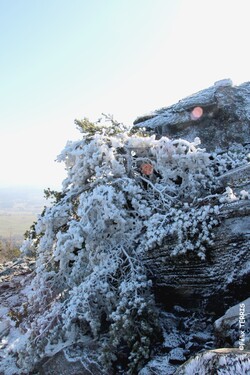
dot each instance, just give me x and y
(64, 60)
(27, 186)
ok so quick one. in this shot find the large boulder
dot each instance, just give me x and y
(77, 359)
(220, 279)
(218, 115)
(219, 361)
(233, 328)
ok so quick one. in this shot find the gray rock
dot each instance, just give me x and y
(14, 279)
(58, 364)
(201, 337)
(191, 346)
(169, 321)
(224, 124)
(220, 361)
(173, 340)
(159, 365)
(233, 328)
(67, 362)
(225, 118)
(192, 281)
(180, 311)
(177, 356)
(223, 278)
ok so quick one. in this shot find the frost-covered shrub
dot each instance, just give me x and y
(124, 195)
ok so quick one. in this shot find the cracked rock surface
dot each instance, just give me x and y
(225, 116)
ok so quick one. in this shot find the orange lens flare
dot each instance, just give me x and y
(147, 169)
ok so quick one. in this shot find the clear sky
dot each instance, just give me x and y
(67, 59)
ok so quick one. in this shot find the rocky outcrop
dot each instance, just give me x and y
(223, 118)
(222, 123)
(224, 274)
(233, 328)
(15, 278)
(219, 361)
(14, 283)
(212, 285)
(197, 335)
(77, 359)
(185, 332)
(193, 294)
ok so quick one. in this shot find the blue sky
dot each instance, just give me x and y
(67, 59)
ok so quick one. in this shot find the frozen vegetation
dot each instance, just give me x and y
(125, 193)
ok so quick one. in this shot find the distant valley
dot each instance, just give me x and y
(21, 200)
(19, 207)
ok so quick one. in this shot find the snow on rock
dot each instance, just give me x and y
(177, 355)
(15, 279)
(81, 358)
(172, 340)
(201, 337)
(233, 327)
(225, 119)
(220, 361)
(223, 83)
(159, 365)
(145, 246)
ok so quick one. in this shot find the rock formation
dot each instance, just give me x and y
(233, 328)
(223, 279)
(224, 128)
(223, 116)
(199, 263)
(220, 361)
(223, 275)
